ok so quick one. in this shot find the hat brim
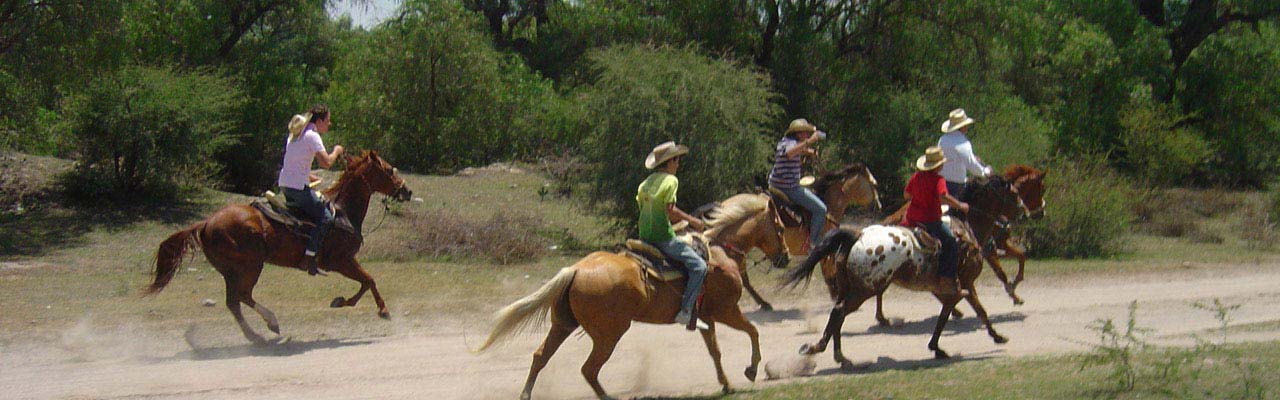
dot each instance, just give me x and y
(654, 160)
(806, 128)
(947, 127)
(923, 164)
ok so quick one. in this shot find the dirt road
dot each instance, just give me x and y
(113, 362)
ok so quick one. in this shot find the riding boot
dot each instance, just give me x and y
(309, 262)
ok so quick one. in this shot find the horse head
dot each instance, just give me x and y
(382, 177)
(997, 197)
(1029, 183)
(852, 184)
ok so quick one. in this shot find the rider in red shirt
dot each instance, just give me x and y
(926, 191)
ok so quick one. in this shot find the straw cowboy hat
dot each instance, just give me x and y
(664, 152)
(801, 125)
(956, 120)
(298, 123)
(931, 159)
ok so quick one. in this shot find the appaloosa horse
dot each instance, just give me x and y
(238, 239)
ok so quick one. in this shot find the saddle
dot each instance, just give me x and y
(276, 210)
(656, 265)
(791, 214)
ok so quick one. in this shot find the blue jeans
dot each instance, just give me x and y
(955, 189)
(817, 210)
(693, 265)
(949, 258)
(315, 210)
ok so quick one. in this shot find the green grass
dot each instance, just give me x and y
(1224, 370)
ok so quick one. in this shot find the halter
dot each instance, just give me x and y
(986, 188)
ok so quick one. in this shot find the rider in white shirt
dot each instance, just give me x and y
(959, 153)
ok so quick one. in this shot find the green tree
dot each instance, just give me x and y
(645, 96)
(147, 130)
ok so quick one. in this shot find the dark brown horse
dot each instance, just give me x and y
(238, 239)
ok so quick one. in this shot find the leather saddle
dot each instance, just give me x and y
(791, 214)
(656, 264)
(276, 210)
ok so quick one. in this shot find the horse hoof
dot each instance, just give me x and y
(750, 373)
(274, 328)
(846, 365)
(956, 316)
(1000, 339)
(727, 390)
(338, 302)
(385, 315)
(766, 307)
(1017, 301)
(939, 354)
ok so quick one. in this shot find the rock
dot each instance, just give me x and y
(209, 303)
(790, 366)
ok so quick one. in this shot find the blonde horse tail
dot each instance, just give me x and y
(169, 256)
(530, 311)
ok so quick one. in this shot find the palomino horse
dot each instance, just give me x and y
(1020, 183)
(996, 199)
(604, 292)
(738, 235)
(870, 259)
(238, 239)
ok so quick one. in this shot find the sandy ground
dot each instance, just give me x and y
(95, 361)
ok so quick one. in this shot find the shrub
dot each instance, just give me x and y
(147, 130)
(1088, 211)
(645, 96)
(1157, 147)
(504, 239)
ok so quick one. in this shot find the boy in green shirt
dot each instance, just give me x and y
(657, 200)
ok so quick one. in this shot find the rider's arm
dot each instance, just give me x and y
(952, 201)
(675, 214)
(327, 160)
(971, 161)
(801, 146)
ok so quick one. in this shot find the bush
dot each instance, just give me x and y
(1157, 148)
(147, 130)
(1088, 213)
(504, 239)
(645, 96)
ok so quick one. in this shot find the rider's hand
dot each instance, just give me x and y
(964, 207)
(697, 225)
(337, 150)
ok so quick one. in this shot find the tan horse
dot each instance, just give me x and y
(604, 292)
(851, 185)
(738, 235)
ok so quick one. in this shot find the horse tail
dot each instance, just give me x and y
(171, 253)
(530, 311)
(839, 239)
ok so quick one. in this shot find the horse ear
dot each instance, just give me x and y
(346, 159)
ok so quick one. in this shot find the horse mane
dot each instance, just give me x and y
(827, 179)
(994, 182)
(348, 176)
(734, 210)
(1015, 171)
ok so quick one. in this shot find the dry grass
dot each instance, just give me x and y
(502, 239)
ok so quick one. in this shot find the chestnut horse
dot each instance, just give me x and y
(604, 292)
(738, 235)
(869, 260)
(238, 239)
(988, 202)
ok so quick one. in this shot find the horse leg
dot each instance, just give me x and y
(560, 330)
(1022, 264)
(994, 261)
(982, 314)
(734, 319)
(746, 282)
(352, 270)
(880, 318)
(832, 333)
(947, 307)
(602, 345)
(233, 304)
(249, 280)
(713, 348)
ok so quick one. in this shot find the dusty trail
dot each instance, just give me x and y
(650, 360)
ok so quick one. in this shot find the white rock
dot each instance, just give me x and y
(208, 303)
